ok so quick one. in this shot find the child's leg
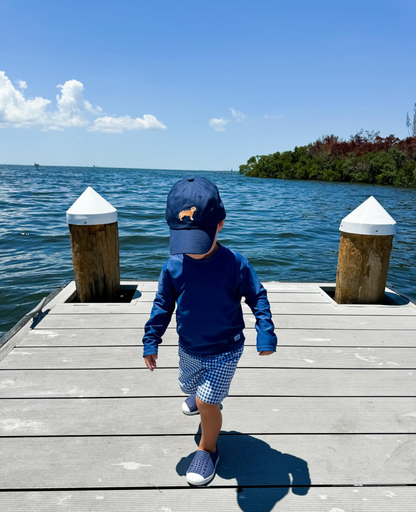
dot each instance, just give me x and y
(211, 421)
(213, 388)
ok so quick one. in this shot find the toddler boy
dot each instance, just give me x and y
(206, 281)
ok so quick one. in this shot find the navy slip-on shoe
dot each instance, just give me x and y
(202, 468)
(189, 406)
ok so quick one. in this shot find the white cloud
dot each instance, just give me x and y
(218, 124)
(15, 110)
(70, 106)
(72, 110)
(21, 84)
(238, 116)
(93, 110)
(120, 124)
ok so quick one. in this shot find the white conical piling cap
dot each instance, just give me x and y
(370, 218)
(90, 209)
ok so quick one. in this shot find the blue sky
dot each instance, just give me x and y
(217, 81)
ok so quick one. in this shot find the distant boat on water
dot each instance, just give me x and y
(36, 165)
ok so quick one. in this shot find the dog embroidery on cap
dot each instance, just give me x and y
(187, 213)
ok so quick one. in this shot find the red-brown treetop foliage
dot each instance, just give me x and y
(360, 144)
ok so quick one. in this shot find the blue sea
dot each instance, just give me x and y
(288, 229)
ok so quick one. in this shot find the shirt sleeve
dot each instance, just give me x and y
(256, 298)
(161, 314)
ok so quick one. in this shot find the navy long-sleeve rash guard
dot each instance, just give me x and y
(208, 295)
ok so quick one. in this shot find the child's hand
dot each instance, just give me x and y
(150, 361)
(266, 352)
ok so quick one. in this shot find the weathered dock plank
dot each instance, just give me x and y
(75, 395)
(317, 499)
(285, 357)
(246, 382)
(301, 337)
(271, 286)
(149, 461)
(277, 308)
(311, 297)
(350, 322)
(147, 416)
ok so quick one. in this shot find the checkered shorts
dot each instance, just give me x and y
(207, 377)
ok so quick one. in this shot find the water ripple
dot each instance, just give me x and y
(288, 229)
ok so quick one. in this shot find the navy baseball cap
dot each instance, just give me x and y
(193, 211)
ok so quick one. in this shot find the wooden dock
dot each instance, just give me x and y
(328, 423)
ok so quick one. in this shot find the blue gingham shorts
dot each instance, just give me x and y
(207, 377)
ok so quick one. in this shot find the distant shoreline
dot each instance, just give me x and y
(122, 168)
(365, 158)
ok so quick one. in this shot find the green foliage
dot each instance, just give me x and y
(365, 158)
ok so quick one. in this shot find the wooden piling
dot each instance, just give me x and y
(93, 229)
(364, 254)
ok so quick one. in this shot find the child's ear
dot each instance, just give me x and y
(220, 225)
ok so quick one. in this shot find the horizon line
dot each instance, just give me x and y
(126, 168)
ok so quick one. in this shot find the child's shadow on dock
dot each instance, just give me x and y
(252, 462)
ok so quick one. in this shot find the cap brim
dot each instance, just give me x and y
(191, 241)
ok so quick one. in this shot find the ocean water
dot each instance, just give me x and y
(288, 229)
